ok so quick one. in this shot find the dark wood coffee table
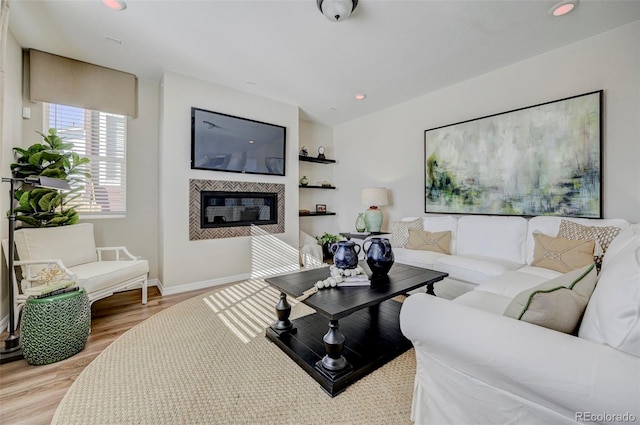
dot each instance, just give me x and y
(364, 327)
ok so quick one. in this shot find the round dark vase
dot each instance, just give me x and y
(379, 255)
(345, 254)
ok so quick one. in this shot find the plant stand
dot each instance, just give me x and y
(56, 327)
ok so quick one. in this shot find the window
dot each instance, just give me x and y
(101, 137)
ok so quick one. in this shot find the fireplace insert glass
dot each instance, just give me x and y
(225, 209)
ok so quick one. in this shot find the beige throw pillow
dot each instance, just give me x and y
(429, 241)
(558, 303)
(603, 235)
(400, 231)
(560, 254)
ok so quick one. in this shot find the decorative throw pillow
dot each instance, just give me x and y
(400, 231)
(429, 241)
(603, 235)
(557, 303)
(560, 254)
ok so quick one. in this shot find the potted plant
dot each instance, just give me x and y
(41, 207)
(326, 240)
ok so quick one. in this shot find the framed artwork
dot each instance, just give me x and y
(321, 208)
(544, 159)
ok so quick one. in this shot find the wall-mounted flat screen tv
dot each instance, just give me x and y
(223, 142)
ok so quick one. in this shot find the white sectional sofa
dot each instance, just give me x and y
(476, 365)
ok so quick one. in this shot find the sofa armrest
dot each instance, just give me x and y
(558, 371)
(119, 253)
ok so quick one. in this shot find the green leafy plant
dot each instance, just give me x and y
(42, 207)
(327, 238)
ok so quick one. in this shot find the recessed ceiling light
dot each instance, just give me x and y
(251, 142)
(563, 7)
(333, 108)
(360, 96)
(115, 4)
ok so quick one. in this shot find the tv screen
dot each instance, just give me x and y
(223, 142)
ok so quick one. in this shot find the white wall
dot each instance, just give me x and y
(139, 230)
(205, 262)
(387, 148)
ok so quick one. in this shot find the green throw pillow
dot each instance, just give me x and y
(557, 303)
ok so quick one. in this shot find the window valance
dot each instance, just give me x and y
(56, 79)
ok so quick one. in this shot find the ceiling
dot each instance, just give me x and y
(287, 50)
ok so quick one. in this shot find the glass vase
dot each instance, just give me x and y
(360, 224)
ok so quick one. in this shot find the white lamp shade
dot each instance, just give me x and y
(375, 196)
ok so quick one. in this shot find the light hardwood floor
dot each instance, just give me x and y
(30, 394)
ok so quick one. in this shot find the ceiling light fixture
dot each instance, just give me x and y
(115, 4)
(360, 96)
(337, 10)
(563, 7)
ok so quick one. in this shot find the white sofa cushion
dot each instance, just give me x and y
(613, 314)
(483, 300)
(511, 283)
(45, 243)
(473, 268)
(417, 258)
(551, 225)
(557, 303)
(488, 236)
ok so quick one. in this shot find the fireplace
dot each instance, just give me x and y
(231, 209)
(226, 209)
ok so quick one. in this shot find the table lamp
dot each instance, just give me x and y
(374, 198)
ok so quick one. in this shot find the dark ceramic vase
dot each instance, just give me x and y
(345, 254)
(379, 255)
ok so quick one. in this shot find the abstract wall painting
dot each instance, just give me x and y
(544, 159)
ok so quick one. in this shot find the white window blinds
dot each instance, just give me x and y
(101, 137)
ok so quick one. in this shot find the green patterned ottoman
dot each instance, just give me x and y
(55, 328)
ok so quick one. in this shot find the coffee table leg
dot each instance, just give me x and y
(334, 344)
(430, 289)
(283, 310)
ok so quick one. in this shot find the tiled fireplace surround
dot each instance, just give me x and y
(196, 232)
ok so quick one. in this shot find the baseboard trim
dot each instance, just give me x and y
(204, 284)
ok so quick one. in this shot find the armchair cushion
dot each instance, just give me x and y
(72, 244)
(102, 274)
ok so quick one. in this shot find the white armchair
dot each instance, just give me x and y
(310, 251)
(100, 271)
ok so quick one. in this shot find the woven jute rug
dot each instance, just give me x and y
(206, 361)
